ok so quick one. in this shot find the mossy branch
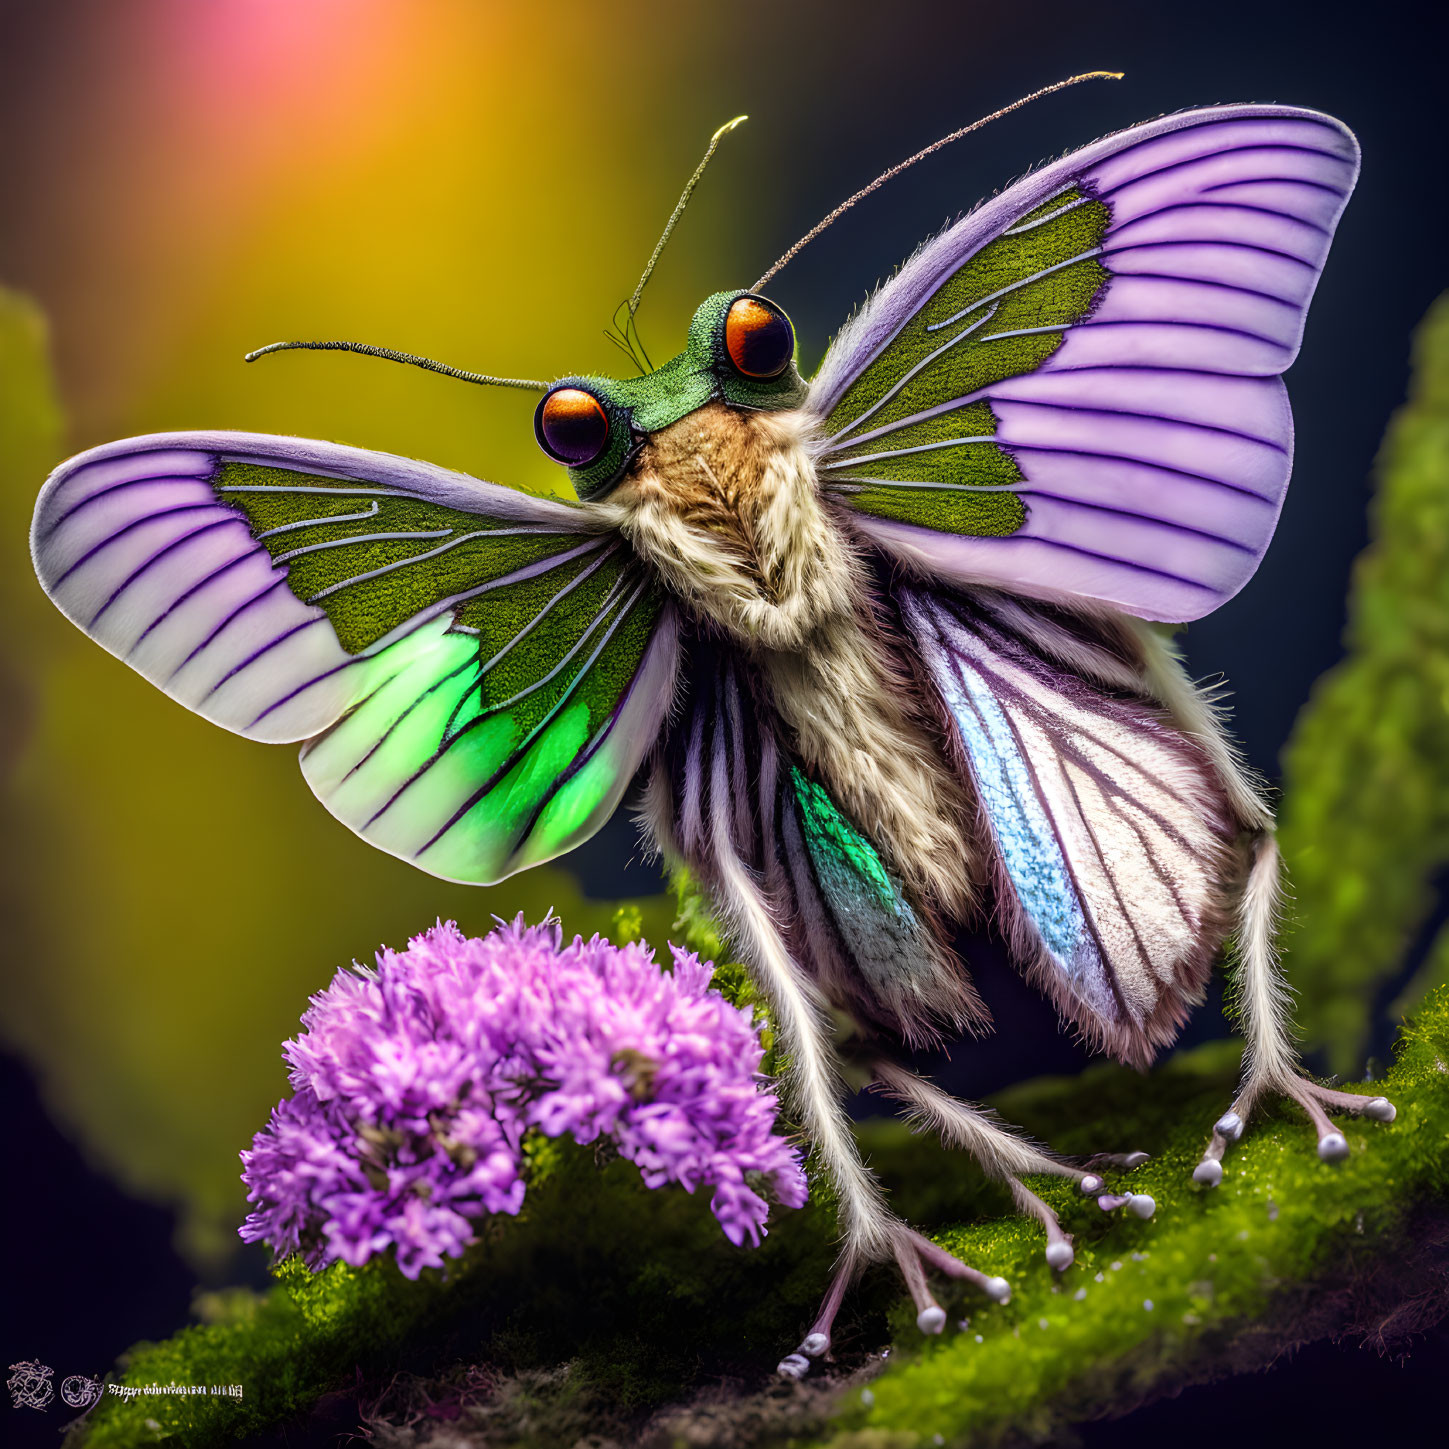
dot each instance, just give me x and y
(1154, 1304)
(637, 1291)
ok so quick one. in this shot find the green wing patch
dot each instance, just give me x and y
(1039, 274)
(372, 557)
(945, 509)
(899, 450)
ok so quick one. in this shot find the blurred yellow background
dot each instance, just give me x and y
(474, 182)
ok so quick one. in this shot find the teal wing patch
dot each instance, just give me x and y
(905, 977)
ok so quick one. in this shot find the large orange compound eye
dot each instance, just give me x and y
(758, 338)
(572, 427)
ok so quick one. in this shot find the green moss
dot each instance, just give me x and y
(1366, 815)
(639, 1289)
(638, 1294)
(1211, 1265)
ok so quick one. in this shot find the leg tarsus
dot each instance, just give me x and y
(1127, 1161)
(1008, 1157)
(816, 1343)
(1208, 1172)
(1332, 1145)
(1226, 1130)
(937, 1257)
(1059, 1251)
(1140, 1204)
(1229, 1125)
(913, 1253)
(930, 1316)
(1270, 1066)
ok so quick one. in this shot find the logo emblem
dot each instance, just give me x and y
(29, 1384)
(79, 1391)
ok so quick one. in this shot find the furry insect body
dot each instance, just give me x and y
(726, 505)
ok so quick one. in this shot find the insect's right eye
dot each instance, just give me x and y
(758, 338)
(572, 427)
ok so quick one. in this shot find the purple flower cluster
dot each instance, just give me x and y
(414, 1085)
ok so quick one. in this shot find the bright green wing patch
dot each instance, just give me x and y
(505, 738)
(501, 726)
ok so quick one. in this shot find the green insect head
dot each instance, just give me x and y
(741, 351)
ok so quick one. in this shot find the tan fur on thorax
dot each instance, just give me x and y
(726, 506)
(723, 503)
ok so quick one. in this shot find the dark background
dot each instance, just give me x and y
(598, 113)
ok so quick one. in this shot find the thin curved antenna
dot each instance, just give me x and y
(367, 350)
(921, 156)
(689, 186)
(627, 339)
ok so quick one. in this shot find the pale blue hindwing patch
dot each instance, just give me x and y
(1109, 832)
(1028, 844)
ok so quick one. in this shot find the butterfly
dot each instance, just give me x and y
(875, 650)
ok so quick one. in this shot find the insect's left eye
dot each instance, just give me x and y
(758, 338)
(572, 427)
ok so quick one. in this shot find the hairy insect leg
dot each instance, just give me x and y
(1007, 1156)
(871, 1232)
(914, 1254)
(1059, 1252)
(1270, 1065)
